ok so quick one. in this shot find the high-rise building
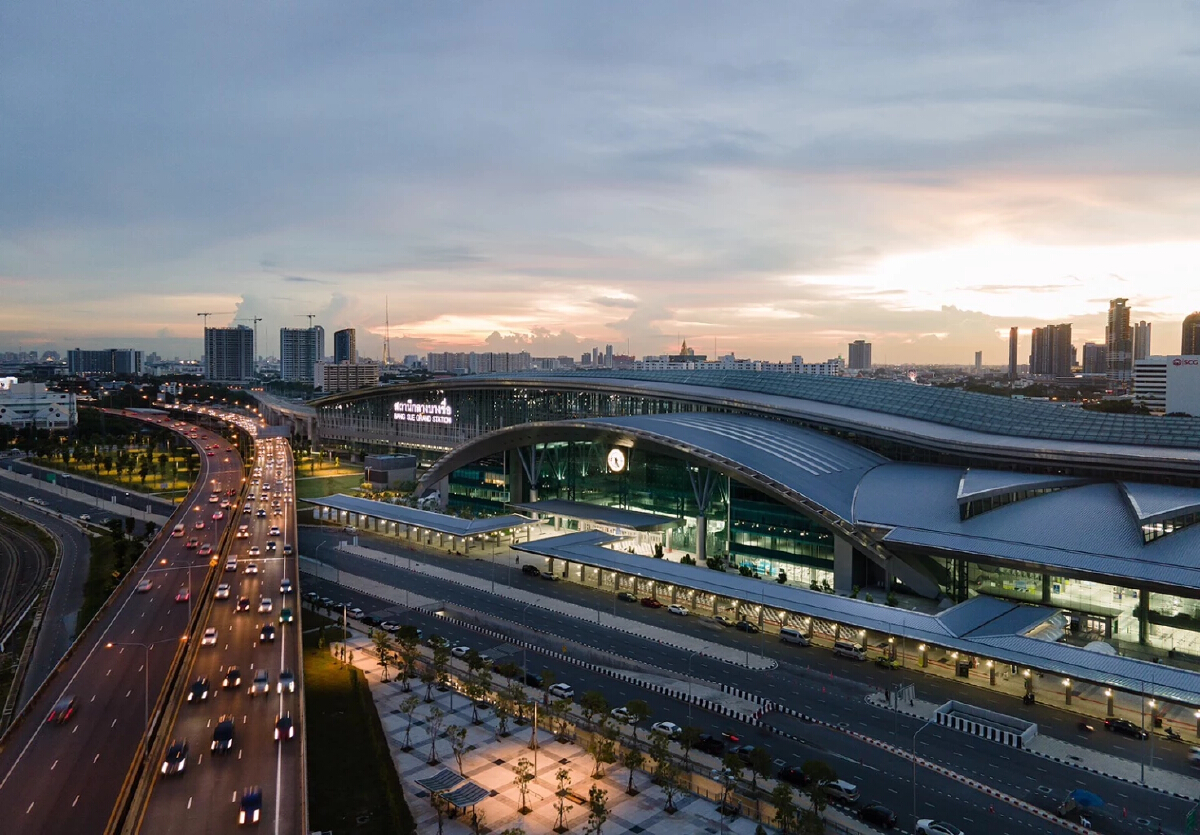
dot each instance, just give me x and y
(860, 355)
(1141, 341)
(1095, 358)
(1191, 335)
(608, 355)
(108, 361)
(1012, 353)
(300, 349)
(345, 347)
(1051, 351)
(1118, 340)
(229, 354)
(978, 361)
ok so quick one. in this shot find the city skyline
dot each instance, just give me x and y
(566, 178)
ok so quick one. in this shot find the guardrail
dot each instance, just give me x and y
(132, 800)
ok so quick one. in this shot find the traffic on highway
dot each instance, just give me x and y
(235, 751)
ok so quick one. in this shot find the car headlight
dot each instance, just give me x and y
(182, 765)
(242, 816)
(256, 815)
(164, 768)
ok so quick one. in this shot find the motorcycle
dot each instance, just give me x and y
(1027, 699)
(1084, 726)
(1174, 735)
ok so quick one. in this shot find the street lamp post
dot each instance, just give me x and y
(914, 759)
(689, 672)
(145, 667)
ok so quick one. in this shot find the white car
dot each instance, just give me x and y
(929, 826)
(251, 568)
(264, 605)
(668, 729)
(261, 684)
(622, 714)
(255, 550)
(562, 691)
(676, 609)
(223, 591)
(460, 651)
(723, 620)
(210, 637)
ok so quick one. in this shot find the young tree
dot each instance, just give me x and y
(518, 699)
(818, 773)
(548, 678)
(603, 748)
(560, 712)
(638, 710)
(523, 775)
(433, 726)
(731, 773)
(408, 652)
(475, 693)
(510, 671)
(760, 766)
(659, 751)
(409, 708)
(668, 779)
(592, 704)
(632, 759)
(689, 738)
(563, 776)
(785, 807)
(503, 712)
(457, 736)
(441, 662)
(428, 678)
(383, 647)
(597, 810)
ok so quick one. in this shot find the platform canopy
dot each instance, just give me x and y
(424, 519)
(616, 517)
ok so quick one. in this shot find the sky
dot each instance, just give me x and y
(764, 179)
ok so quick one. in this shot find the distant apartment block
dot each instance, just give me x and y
(1012, 353)
(1095, 358)
(1051, 351)
(1141, 341)
(125, 361)
(1191, 335)
(333, 377)
(229, 354)
(345, 346)
(449, 362)
(860, 355)
(300, 349)
(1118, 340)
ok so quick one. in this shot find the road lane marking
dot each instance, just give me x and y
(55, 763)
(30, 809)
(95, 758)
(73, 802)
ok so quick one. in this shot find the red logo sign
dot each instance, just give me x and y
(1185, 361)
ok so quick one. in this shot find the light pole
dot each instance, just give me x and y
(145, 667)
(524, 651)
(689, 672)
(914, 758)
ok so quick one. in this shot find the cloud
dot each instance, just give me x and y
(777, 177)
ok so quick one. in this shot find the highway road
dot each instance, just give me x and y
(57, 503)
(65, 778)
(103, 492)
(58, 624)
(205, 797)
(807, 680)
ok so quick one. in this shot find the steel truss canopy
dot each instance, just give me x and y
(424, 519)
(983, 626)
(615, 517)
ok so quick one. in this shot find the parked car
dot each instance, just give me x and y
(794, 775)
(840, 791)
(676, 609)
(651, 603)
(667, 729)
(723, 620)
(627, 597)
(878, 814)
(549, 575)
(932, 827)
(747, 626)
(531, 570)
(622, 714)
(562, 691)
(710, 744)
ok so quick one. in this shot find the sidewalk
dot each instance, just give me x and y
(1070, 754)
(686, 643)
(489, 760)
(83, 498)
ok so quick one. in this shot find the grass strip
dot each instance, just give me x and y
(353, 788)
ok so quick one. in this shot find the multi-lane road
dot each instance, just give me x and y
(810, 681)
(66, 777)
(206, 796)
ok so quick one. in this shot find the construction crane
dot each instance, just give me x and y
(218, 313)
(310, 316)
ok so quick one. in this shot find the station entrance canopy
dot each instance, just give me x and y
(428, 520)
(983, 626)
(601, 516)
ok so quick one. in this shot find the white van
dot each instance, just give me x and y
(179, 530)
(790, 635)
(849, 649)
